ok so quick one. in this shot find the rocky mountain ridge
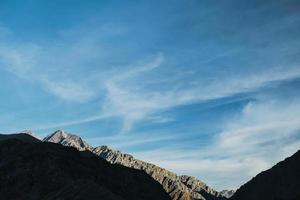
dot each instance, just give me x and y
(227, 193)
(178, 187)
(34, 170)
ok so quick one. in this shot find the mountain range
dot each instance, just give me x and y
(178, 187)
(63, 166)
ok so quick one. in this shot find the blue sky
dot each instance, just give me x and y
(205, 88)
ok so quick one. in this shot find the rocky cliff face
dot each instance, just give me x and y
(227, 193)
(178, 187)
(66, 139)
(169, 180)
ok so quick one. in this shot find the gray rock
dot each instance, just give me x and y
(227, 193)
(66, 139)
(178, 187)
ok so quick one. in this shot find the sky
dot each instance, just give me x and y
(206, 88)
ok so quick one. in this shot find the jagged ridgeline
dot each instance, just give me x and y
(34, 170)
(178, 187)
(63, 166)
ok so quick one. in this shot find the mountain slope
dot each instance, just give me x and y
(24, 137)
(281, 182)
(178, 187)
(35, 170)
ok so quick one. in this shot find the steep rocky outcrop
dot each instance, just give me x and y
(169, 180)
(66, 139)
(227, 193)
(199, 187)
(281, 182)
(178, 187)
(35, 170)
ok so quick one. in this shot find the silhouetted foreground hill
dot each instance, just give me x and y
(178, 187)
(35, 170)
(281, 182)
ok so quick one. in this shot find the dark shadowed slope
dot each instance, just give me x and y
(20, 136)
(281, 182)
(178, 187)
(34, 170)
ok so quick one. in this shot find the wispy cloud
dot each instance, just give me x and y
(123, 141)
(125, 102)
(128, 92)
(264, 133)
(61, 125)
(135, 103)
(47, 65)
(69, 90)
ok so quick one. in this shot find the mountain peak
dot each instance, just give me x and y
(67, 139)
(56, 137)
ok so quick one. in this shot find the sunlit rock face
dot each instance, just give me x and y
(178, 187)
(67, 139)
(227, 193)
